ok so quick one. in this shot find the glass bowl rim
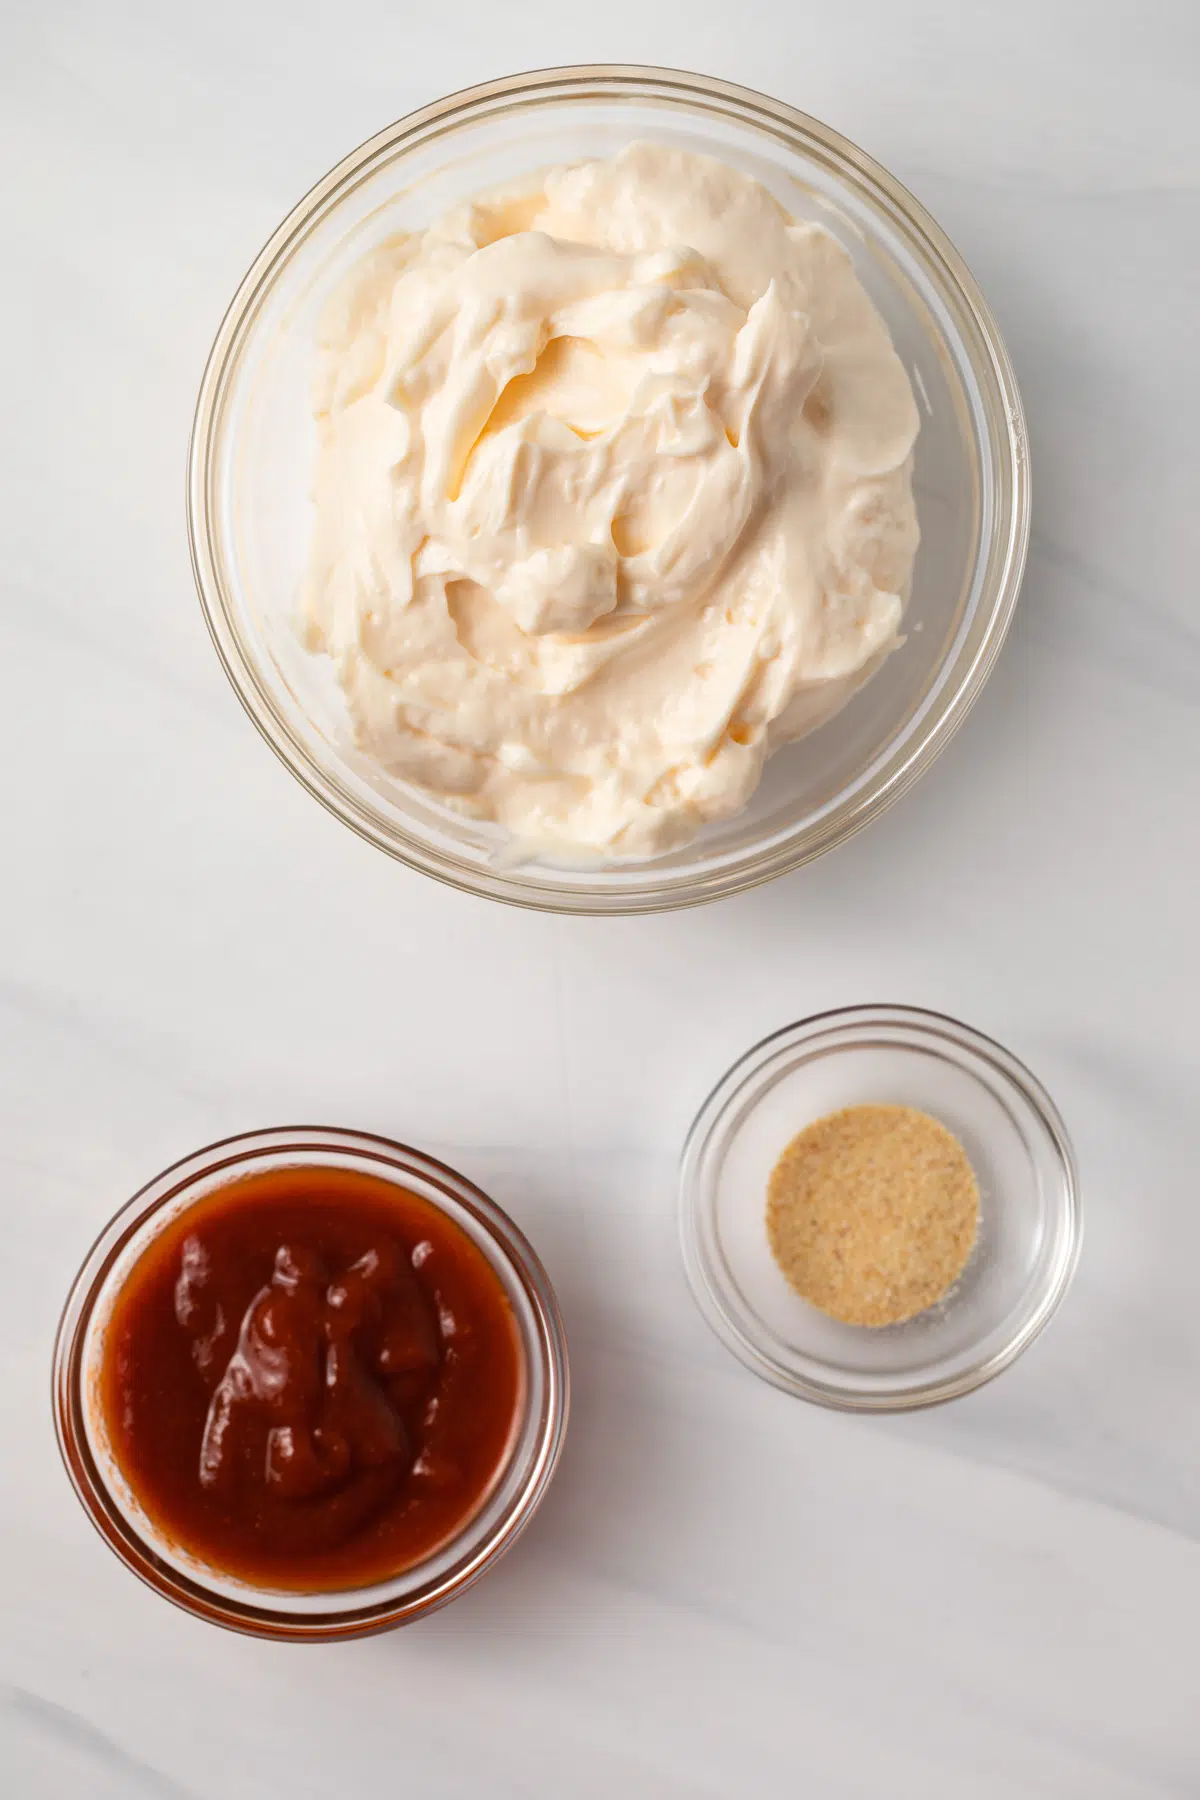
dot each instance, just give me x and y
(376, 1153)
(923, 1023)
(991, 365)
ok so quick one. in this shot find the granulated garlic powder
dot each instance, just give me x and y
(872, 1213)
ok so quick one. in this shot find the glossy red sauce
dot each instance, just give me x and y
(311, 1379)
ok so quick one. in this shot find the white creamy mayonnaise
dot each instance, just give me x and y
(613, 496)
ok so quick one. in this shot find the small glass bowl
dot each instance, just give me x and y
(270, 1613)
(1029, 1226)
(253, 447)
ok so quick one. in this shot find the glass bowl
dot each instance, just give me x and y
(253, 447)
(1029, 1220)
(267, 1612)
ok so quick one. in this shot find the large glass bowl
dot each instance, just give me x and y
(253, 446)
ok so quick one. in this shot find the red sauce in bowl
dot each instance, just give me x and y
(311, 1379)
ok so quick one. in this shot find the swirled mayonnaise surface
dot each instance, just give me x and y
(613, 496)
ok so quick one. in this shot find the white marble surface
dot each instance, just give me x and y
(727, 1593)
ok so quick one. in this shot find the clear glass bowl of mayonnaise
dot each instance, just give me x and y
(254, 439)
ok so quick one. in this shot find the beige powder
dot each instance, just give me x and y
(872, 1213)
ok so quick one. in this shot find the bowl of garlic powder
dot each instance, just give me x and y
(879, 1209)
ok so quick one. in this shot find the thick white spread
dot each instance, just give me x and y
(613, 496)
